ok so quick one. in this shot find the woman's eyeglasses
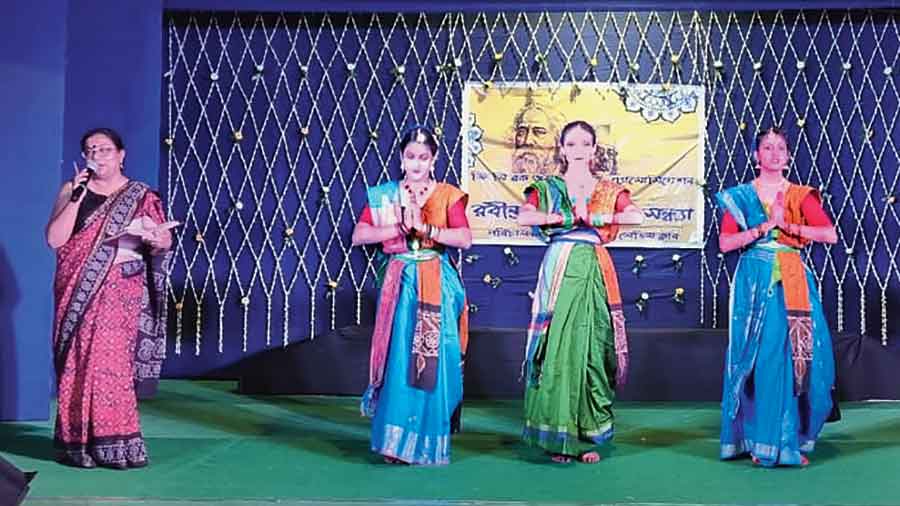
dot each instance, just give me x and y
(104, 152)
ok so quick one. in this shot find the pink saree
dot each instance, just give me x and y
(109, 335)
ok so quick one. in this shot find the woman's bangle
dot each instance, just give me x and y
(435, 233)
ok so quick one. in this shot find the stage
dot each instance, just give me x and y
(211, 445)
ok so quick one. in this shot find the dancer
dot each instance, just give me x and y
(779, 367)
(577, 350)
(421, 330)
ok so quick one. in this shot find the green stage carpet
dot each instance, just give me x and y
(209, 445)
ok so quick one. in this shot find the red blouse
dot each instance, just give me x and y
(456, 215)
(810, 207)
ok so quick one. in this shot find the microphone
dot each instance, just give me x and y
(82, 186)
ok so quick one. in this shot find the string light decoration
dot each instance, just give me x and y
(642, 302)
(677, 262)
(492, 280)
(316, 107)
(512, 259)
(638, 265)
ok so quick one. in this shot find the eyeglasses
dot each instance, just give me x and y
(104, 152)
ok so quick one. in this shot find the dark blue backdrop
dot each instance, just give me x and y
(276, 73)
(513, 6)
(32, 64)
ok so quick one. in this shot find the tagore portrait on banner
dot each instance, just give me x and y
(649, 138)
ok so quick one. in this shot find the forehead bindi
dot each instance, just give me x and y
(99, 141)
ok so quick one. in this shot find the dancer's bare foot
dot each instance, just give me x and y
(755, 460)
(392, 460)
(559, 458)
(589, 457)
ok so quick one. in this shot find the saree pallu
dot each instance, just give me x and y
(411, 421)
(108, 336)
(770, 409)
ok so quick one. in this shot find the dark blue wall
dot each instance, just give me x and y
(33, 69)
(114, 56)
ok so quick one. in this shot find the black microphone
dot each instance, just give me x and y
(82, 186)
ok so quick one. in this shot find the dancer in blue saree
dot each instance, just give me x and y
(779, 368)
(415, 370)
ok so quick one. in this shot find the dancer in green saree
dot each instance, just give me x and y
(577, 350)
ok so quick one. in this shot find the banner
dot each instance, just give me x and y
(649, 139)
